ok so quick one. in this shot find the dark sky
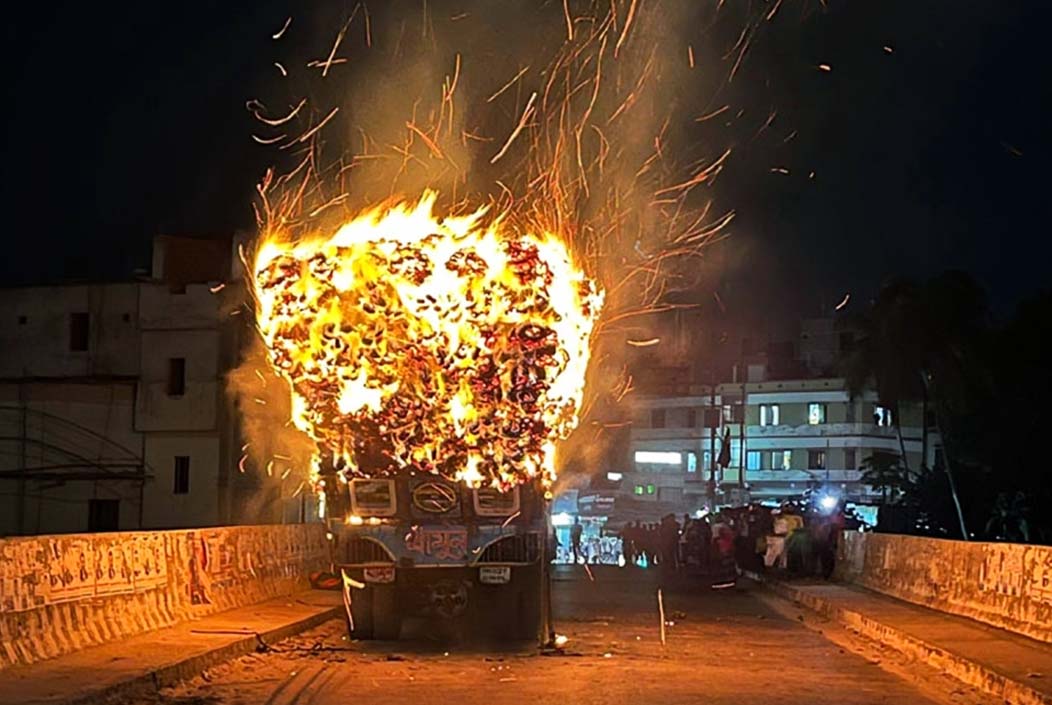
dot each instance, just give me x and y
(128, 120)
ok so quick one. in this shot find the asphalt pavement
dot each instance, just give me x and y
(739, 645)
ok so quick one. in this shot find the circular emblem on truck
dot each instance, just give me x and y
(434, 497)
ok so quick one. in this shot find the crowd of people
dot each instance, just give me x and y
(798, 538)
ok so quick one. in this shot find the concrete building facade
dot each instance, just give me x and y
(784, 437)
(113, 410)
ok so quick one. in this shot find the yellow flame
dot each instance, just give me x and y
(435, 345)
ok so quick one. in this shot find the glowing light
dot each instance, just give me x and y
(561, 640)
(614, 476)
(562, 519)
(658, 457)
(355, 520)
(828, 502)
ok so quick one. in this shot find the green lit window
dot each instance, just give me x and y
(650, 489)
(639, 489)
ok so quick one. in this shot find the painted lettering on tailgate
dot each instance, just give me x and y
(443, 544)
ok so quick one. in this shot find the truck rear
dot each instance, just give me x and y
(422, 546)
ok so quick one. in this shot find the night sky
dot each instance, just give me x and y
(124, 121)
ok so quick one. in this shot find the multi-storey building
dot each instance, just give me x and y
(113, 410)
(784, 437)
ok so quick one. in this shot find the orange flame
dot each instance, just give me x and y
(442, 345)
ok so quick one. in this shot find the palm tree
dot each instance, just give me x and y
(916, 343)
(884, 471)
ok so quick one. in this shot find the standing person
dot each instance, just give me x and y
(668, 535)
(704, 542)
(575, 538)
(826, 541)
(628, 547)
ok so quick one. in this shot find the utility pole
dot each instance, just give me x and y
(741, 418)
(712, 421)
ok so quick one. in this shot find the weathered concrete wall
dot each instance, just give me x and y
(63, 593)
(1003, 584)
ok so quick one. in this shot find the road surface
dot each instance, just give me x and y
(737, 646)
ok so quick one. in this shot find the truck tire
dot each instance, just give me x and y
(386, 617)
(529, 602)
(362, 612)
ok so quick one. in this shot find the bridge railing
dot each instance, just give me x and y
(1003, 584)
(66, 592)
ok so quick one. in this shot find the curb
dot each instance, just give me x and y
(965, 670)
(170, 674)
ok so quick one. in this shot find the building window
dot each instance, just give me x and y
(752, 460)
(850, 412)
(769, 415)
(816, 413)
(651, 489)
(176, 376)
(104, 514)
(816, 460)
(692, 461)
(850, 460)
(182, 475)
(781, 459)
(692, 418)
(882, 416)
(638, 490)
(657, 418)
(658, 457)
(939, 458)
(79, 328)
(706, 459)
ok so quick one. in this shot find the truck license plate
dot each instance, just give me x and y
(385, 574)
(495, 575)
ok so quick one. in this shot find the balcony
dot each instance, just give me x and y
(803, 475)
(831, 429)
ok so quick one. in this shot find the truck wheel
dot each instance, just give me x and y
(362, 612)
(386, 619)
(529, 602)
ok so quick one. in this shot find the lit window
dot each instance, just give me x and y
(816, 460)
(658, 457)
(692, 461)
(816, 413)
(614, 476)
(769, 414)
(638, 490)
(651, 489)
(781, 460)
(752, 460)
(882, 416)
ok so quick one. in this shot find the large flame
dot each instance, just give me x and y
(447, 346)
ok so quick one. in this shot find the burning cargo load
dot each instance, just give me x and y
(455, 346)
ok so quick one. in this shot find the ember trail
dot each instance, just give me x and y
(450, 346)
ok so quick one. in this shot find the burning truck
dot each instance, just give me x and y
(434, 363)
